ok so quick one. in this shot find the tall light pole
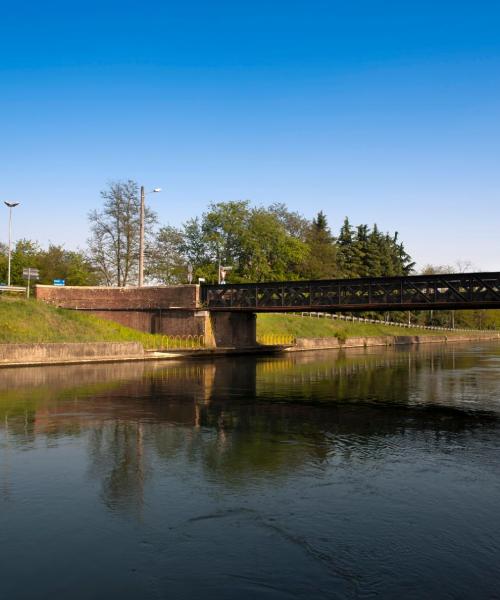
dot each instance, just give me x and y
(141, 238)
(11, 205)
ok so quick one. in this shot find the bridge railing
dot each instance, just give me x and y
(416, 292)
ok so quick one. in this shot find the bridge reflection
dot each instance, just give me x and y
(244, 418)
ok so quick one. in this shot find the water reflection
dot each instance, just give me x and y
(300, 476)
(239, 419)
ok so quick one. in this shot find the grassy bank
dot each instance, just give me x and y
(25, 321)
(311, 327)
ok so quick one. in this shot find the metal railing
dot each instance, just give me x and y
(276, 339)
(415, 292)
(179, 342)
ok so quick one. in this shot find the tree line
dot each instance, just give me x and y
(257, 244)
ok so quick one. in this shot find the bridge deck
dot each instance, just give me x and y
(419, 292)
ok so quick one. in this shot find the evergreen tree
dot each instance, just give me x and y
(321, 261)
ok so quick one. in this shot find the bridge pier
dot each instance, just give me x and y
(233, 329)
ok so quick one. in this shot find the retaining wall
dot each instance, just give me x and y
(389, 340)
(69, 352)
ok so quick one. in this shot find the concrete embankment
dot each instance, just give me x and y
(386, 340)
(69, 353)
(75, 353)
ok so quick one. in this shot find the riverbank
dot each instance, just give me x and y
(304, 344)
(33, 333)
(28, 321)
(315, 325)
(25, 355)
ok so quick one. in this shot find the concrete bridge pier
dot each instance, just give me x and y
(220, 329)
(233, 329)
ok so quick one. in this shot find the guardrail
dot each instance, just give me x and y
(354, 319)
(14, 289)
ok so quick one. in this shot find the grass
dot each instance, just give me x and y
(311, 327)
(25, 321)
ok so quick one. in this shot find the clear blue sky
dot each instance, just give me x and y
(383, 111)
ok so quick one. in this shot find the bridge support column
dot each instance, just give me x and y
(234, 329)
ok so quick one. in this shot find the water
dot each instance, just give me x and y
(370, 474)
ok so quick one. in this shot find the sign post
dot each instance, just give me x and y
(30, 273)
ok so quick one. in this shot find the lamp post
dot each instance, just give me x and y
(10, 205)
(141, 238)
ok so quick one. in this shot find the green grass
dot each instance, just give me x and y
(312, 327)
(24, 321)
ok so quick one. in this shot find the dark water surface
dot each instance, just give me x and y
(370, 474)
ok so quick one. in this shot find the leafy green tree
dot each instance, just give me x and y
(53, 263)
(293, 222)
(272, 244)
(168, 264)
(73, 266)
(269, 252)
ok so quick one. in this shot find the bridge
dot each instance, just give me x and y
(225, 314)
(419, 292)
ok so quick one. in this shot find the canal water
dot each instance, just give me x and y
(366, 474)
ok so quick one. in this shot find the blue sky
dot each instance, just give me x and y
(382, 111)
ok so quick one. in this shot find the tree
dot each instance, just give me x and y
(114, 240)
(322, 259)
(349, 257)
(269, 252)
(168, 264)
(53, 263)
(71, 265)
(293, 222)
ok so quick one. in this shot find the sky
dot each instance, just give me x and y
(383, 111)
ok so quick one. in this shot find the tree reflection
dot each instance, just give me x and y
(242, 419)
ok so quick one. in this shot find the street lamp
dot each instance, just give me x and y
(141, 238)
(10, 205)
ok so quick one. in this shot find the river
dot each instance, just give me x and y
(364, 474)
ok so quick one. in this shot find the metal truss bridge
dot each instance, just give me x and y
(420, 292)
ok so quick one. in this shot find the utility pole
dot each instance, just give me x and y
(11, 205)
(141, 237)
(142, 218)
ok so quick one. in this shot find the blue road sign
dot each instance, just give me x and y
(59, 282)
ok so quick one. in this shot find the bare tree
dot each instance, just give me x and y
(114, 240)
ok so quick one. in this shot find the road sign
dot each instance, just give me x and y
(59, 282)
(31, 273)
